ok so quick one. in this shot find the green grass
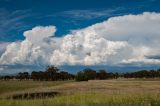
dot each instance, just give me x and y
(89, 99)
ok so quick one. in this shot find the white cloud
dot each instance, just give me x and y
(3, 46)
(85, 48)
(90, 13)
(120, 40)
(135, 29)
(35, 49)
(38, 34)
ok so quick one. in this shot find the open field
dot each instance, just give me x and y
(121, 92)
(13, 87)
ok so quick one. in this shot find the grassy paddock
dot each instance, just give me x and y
(15, 87)
(120, 92)
(89, 99)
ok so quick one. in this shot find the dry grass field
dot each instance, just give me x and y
(120, 92)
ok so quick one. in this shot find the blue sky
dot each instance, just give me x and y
(37, 24)
(19, 15)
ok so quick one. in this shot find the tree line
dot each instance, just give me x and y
(53, 73)
(143, 74)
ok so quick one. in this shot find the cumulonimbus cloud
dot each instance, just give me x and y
(128, 39)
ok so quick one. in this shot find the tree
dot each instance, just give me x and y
(116, 75)
(52, 72)
(23, 75)
(81, 76)
(90, 74)
(102, 74)
(34, 75)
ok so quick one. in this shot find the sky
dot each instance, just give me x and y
(116, 35)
